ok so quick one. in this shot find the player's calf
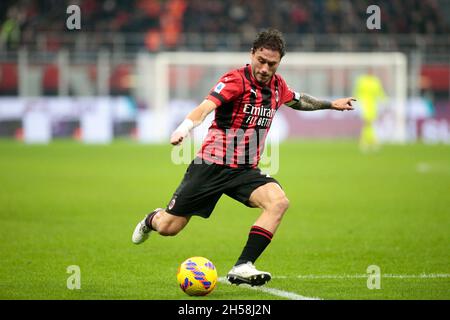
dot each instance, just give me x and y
(167, 224)
(168, 229)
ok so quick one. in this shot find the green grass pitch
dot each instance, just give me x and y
(72, 204)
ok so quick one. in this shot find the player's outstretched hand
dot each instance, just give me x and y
(342, 104)
(176, 138)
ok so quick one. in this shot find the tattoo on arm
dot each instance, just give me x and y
(309, 103)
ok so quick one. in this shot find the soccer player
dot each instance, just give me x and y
(244, 100)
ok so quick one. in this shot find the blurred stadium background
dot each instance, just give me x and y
(52, 79)
(130, 75)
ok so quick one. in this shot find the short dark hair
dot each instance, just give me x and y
(270, 39)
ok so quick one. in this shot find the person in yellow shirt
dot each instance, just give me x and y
(369, 92)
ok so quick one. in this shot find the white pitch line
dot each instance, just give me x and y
(361, 276)
(272, 291)
(294, 296)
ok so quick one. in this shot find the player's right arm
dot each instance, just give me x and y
(228, 88)
(193, 119)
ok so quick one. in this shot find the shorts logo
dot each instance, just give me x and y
(172, 202)
(219, 87)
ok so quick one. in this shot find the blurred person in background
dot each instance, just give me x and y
(369, 92)
(10, 29)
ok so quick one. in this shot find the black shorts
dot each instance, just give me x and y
(204, 183)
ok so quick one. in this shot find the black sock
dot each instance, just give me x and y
(258, 239)
(148, 221)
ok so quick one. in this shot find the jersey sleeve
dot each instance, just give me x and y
(287, 94)
(228, 88)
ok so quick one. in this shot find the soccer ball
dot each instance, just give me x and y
(197, 276)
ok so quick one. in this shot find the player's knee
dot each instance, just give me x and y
(280, 206)
(282, 203)
(168, 229)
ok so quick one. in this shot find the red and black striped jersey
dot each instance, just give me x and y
(244, 113)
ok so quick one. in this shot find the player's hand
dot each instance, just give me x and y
(343, 104)
(176, 138)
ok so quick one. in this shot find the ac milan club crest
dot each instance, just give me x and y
(172, 202)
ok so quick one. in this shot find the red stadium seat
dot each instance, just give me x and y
(50, 79)
(120, 79)
(8, 78)
(438, 75)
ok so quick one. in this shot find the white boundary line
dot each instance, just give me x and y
(295, 296)
(272, 291)
(363, 276)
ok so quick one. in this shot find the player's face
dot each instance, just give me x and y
(264, 64)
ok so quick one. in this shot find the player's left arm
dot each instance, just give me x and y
(305, 102)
